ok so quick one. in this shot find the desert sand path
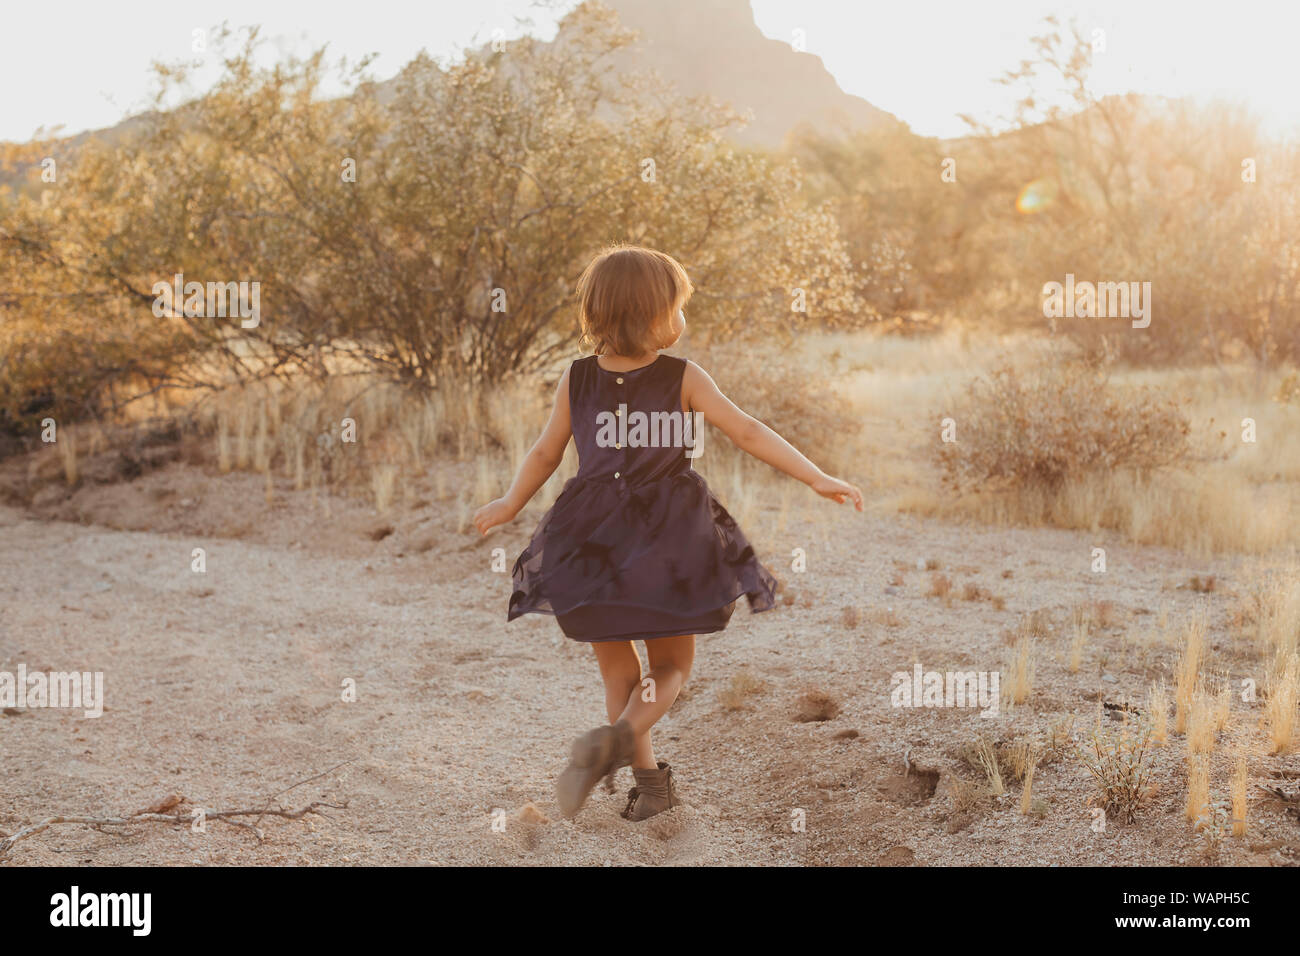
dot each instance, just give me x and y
(226, 687)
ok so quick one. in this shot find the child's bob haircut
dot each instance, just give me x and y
(627, 294)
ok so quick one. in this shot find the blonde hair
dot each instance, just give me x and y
(625, 294)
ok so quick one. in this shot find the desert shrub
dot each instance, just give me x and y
(1041, 428)
(1120, 765)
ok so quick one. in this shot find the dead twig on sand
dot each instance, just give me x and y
(294, 786)
(176, 819)
(158, 813)
(1290, 801)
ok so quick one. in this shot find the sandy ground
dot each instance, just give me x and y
(225, 688)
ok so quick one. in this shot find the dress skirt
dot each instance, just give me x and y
(611, 623)
(636, 547)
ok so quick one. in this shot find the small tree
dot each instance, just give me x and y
(1132, 188)
(436, 221)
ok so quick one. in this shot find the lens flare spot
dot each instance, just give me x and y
(1036, 196)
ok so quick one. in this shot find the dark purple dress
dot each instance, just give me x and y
(635, 546)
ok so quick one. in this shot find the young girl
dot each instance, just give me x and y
(635, 547)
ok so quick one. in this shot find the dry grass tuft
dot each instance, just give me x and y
(1187, 673)
(966, 795)
(1158, 708)
(1223, 707)
(1238, 790)
(816, 706)
(985, 754)
(1082, 626)
(1120, 765)
(1280, 706)
(884, 617)
(1201, 723)
(1279, 615)
(1027, 793)
(1021, 758)
(742, 686)
(1198, 789)
(365, 433)
(1019, 681)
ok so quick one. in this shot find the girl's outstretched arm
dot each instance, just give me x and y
(747, 433)
(538, 465)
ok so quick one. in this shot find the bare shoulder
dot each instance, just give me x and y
(562, 384)
(695, 375)
(699, 391)
(562, 388)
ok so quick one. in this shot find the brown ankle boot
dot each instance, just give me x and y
(595, 754)
(654, 793)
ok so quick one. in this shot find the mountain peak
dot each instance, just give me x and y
(714, 48)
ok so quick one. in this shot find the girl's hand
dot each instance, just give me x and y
(837, 490)
(492, 514)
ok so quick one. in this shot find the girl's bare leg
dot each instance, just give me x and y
(653, 694)
(600, 752)
(620, 669)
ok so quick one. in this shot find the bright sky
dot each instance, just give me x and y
(84, 64)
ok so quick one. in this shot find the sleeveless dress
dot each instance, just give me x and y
(635, 546)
